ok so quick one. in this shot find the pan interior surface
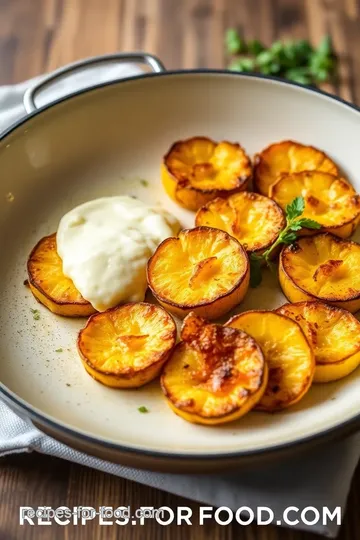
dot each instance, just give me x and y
(105, 142)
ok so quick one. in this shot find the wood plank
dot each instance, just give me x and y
(37, 480)
(41, 35)
(31, 480)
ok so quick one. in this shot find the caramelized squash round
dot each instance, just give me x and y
(202, 270)
(215, 374)
(322, 267)
(287, 352)
(334, 335)
(199, 169)
(254, 220)
(329, 200)
(126, 346)
(50, 286)
(288, 157)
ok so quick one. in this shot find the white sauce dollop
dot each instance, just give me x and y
(105, 245)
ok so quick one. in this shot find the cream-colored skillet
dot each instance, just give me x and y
(99, 142)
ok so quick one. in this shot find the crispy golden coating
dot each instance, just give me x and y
(287, 353)
(215, 374)
(254, 220)
(50, 286)
(126, 346)
(334, 335)
(202, 270)
(288, 157)
(329, 200)
(322, 267)
(199, 169)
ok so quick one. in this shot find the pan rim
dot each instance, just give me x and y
(350, 425)
(151, 75)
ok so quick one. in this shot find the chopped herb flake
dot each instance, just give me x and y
(144, 183)
(36, 314)
(59, 350)
(143, 409)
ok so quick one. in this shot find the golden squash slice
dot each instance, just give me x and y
(215, 374)
(287, 353)
(322, 267)
(288, 157)
(126, 346)
(198, 170)
(50, 286)
(202, 270)
(254, 220)
(334, 335)
(329, 200)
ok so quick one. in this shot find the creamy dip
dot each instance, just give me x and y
(105, 245)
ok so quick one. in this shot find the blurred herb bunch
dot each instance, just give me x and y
(294, 60)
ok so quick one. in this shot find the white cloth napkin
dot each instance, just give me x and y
(320, 478)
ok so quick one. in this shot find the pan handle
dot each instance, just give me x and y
(136, 58)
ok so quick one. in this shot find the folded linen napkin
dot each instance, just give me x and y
(320, 479)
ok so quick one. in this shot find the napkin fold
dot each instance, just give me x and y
(320, 478)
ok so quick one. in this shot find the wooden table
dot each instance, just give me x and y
(41, 35)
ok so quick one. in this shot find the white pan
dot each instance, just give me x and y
(100, 142)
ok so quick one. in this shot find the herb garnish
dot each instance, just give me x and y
(295, 60)
(294, 223)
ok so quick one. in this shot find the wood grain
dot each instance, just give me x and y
(36, 480)
(41, 35)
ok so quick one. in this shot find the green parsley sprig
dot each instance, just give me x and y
(295, 60)
(294, 223)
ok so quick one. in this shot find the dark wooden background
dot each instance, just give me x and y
(41, 35)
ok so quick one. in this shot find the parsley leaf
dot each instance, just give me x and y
(308, 223)
(234, 43)
(325, 48)
(242, 65)
(299, 75)
(255, 47)
(255, 270)
(295, 225)
(288, 237)
(265, 58)
(295, 208)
